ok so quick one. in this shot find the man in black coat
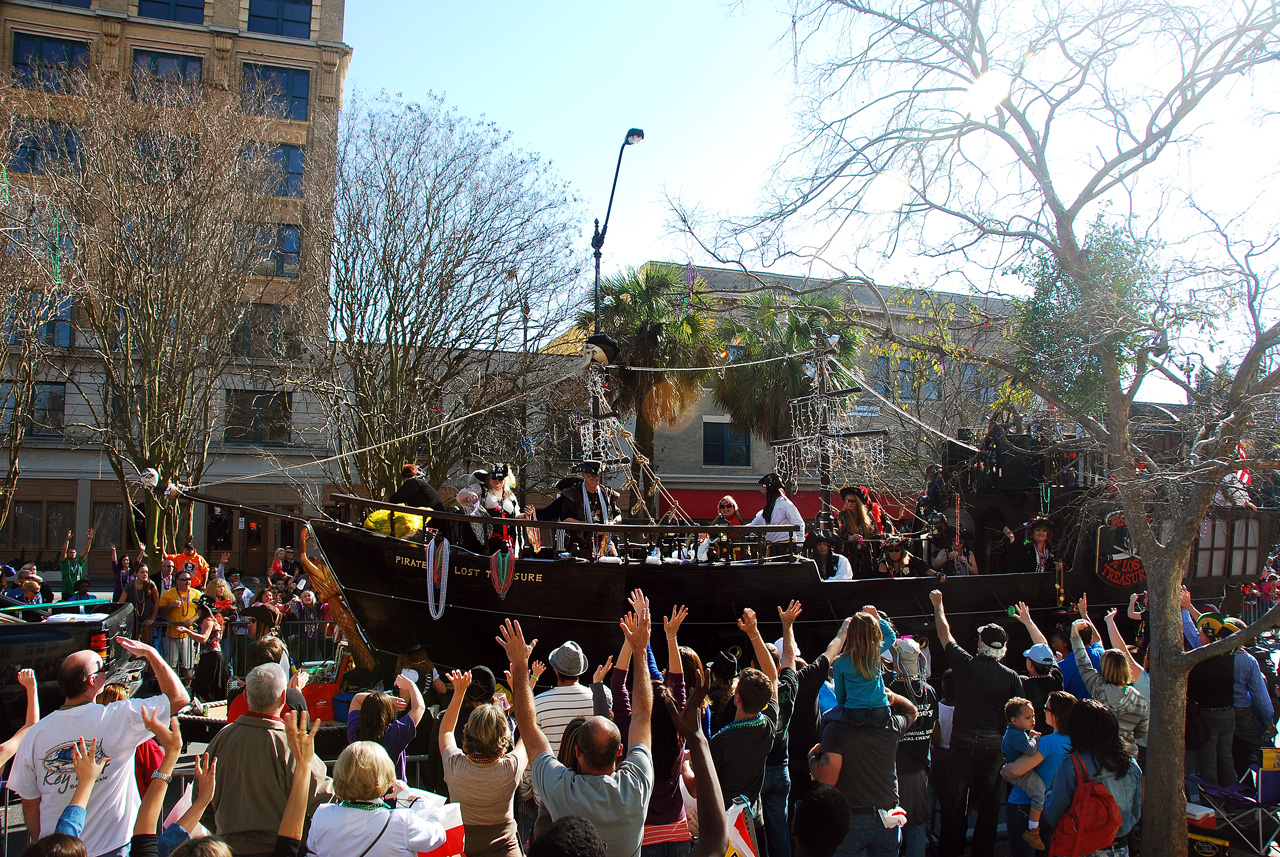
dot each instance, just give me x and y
(415, 490)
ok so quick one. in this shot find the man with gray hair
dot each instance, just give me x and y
(255, 769)
(983, 686)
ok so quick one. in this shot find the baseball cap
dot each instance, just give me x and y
(993, 636)
(1040, 654)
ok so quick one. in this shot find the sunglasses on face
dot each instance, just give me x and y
(725, 506)
(895, 550)
(184, 580)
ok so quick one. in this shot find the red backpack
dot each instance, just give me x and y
(1092, 820)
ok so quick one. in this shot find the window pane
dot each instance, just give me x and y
(183, 11)
(107, 521)
(40, 62)
(59, 518)
(28, 520)
(48, 408)
(256, 416)
(713, 443)
(280, 92)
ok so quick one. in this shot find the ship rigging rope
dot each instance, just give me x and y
(718, 366)
(870, 388)
(394, 440)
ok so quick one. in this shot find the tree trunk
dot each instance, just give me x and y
(1164, 820)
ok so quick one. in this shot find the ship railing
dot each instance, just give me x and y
(634, 542)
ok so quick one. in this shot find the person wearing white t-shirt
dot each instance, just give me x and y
(43, 774)
(778, 511)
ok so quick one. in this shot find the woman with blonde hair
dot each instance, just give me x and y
(483, 776)
(1112, 684)
(363, 824)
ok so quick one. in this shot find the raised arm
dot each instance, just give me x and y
(940, 619)
(302, 744)
(1088, 674)
(636, 628)
(206, 782)
(170, 684)
(410, 694)
(461, 681)
(1023, 613)
(168, 736)
(66, 546)
(1117, 642)
(712, 833)
(836, 646)
(511, 638)
(26, 678)
(671, 625)
(788, 618)
(748, 625)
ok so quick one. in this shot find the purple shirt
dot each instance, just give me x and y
(666, 805)
(395, 739)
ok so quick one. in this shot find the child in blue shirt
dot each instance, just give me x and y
(860, 696)
(1020, 739)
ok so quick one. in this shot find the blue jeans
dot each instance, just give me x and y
(914, 839)
(1016, 816)
(667, 849)
(868, 837)
(777, 832)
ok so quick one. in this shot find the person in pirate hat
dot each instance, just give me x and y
(592, 503)
(897, 561)
(860, 523)
(832, 565)
(778, 511)
(1034, 554)
(492, 493)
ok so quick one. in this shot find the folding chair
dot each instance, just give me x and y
(1243, 817)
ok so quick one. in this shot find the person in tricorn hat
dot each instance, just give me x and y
(832, 566)
(778, 511)
(415, 490)
(492, 492)
(592, 503)
(1034, 554)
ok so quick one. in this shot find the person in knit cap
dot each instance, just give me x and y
(569, 698)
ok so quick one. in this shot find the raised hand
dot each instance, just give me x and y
(602, 670)
(1023, 612)
(84, 758)
(1185, 598)
(747, 624)
(460, 680)
(225, 557)
(537, 668)
(671, 624)
(168, 735)
(636, 624)
(936, 597)
(206, 773)
(511, 638)
(789, 615)
(688, 721)
(27, 678)
(301, 735)
(1111, 615)
(871, 610)
(1083, 606)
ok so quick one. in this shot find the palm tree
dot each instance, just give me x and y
(659, 319)
(769, 326)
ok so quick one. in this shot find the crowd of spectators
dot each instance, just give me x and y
(841, 755)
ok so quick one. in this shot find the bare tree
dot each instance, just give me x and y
(174, 244)
(978, 133)
(454, 260)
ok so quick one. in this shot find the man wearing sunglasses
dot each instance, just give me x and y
(179, 605)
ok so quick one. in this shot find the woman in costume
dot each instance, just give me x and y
(1034, 554)
(492, 493)
(859, 524)
(779, 511)
(955, 556)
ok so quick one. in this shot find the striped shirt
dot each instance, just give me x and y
(556, 707)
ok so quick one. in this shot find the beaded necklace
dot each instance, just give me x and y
(481, 760)
(366, 805)
(747, 723)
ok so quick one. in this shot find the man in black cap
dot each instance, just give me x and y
(591, 503)
(983, 686)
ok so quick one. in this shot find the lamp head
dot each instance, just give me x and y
(635, 135)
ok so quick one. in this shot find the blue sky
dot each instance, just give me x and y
(709, 83)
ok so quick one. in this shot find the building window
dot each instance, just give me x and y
(48, 409)
(57, 331)
(40, 147)
(280, 247)
(278, 92)
(256, 416)
(107, 520)
(266, 330)
(723, 447)
(59, 519)
(288, 161)
(291, 18)
(975, 382)
(36, 525)
(182, 11)
(169, 68)
(40, 62)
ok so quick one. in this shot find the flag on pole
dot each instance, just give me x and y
(741, 831)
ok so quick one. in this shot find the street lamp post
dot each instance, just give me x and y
(634, 135)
